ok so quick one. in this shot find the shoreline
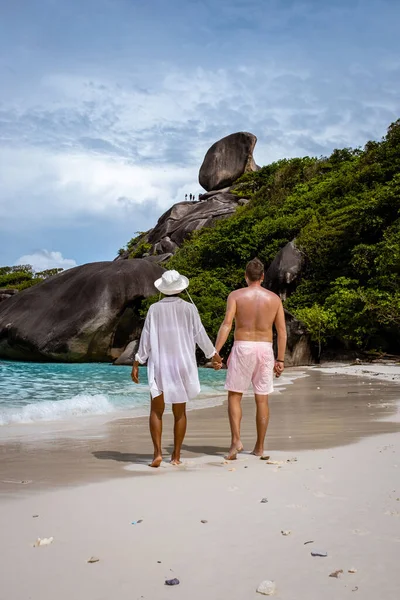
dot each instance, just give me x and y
(48, 427)
(318, 411)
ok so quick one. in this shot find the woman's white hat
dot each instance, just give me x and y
(171, 283)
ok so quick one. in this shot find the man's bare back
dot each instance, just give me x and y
(255, 310)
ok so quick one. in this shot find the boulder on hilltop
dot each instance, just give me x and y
(88, 313)
(227, 160)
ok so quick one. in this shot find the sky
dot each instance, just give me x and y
(107, 107)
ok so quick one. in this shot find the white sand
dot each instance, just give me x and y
(347, 500)
(384, 372)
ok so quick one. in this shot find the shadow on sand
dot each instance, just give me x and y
(132, 457)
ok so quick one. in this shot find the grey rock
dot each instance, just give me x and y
(319, 553)
(283, 273)
(175, 225)
(6, 293)
(89, 313)
(128, 355)
(174, 581)
(227, 160)
(212, 193)
(158, 258)
(299, 347)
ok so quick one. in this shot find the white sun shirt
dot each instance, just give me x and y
(168, 342)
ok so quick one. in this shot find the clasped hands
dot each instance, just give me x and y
(216, 362)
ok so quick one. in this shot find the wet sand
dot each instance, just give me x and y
(320, 410)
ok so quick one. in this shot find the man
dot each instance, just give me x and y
(254, 310)
(168, 344)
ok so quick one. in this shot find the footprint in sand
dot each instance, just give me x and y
(233, 488)
(319, 494)
(392, 513)
(361, 532)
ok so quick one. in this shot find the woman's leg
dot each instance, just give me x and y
(179, 411)
(155, 422)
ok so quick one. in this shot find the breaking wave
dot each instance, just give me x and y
(56, 410)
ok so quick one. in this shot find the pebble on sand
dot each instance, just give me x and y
(93, 559)
(203, 521)
(336, 573)
(267, 587)
(287, 532)
(319, 553)
(174, 581)
(264, 500)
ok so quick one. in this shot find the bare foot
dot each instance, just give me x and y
(258, 452)
(156, 462)
(234, 451)
(175, 460)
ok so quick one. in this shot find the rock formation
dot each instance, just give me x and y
(174, 226)
(283, 273)
(6, 293)
(227, 160)
(224, 162)
(89, 313)
(299, 347)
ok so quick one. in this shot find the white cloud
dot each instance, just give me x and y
(45, 187)
(45, 259)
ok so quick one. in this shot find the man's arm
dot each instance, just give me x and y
(280, 326)
(227, 323)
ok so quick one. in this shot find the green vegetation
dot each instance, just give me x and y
(23, 276)
(344, 212)
(137, 246)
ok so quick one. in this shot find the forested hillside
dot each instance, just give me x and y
(343, 212)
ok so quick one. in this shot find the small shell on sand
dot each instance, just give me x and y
(43, 542)
(267, 587)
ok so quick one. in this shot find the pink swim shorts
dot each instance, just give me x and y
(251, 362)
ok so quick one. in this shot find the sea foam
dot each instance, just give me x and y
(56, 410)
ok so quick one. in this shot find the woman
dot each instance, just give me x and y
(168, 343)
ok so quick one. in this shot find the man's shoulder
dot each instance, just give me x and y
(272, 295)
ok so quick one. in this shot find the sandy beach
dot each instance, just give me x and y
(333, 479)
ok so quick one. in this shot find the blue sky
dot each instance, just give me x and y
(107, 107)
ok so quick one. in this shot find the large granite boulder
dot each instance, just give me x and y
(89, 313)
(284, 272)
(227, 160)
(174, 226)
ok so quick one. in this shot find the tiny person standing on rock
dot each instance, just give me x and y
(168, 343)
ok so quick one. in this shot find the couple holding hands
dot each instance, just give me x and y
(168, 344)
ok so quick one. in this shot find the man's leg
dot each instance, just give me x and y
(262, 420)
(155, 421)
(179, 411)
(235, 418)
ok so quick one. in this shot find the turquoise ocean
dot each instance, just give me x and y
(37, 392)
